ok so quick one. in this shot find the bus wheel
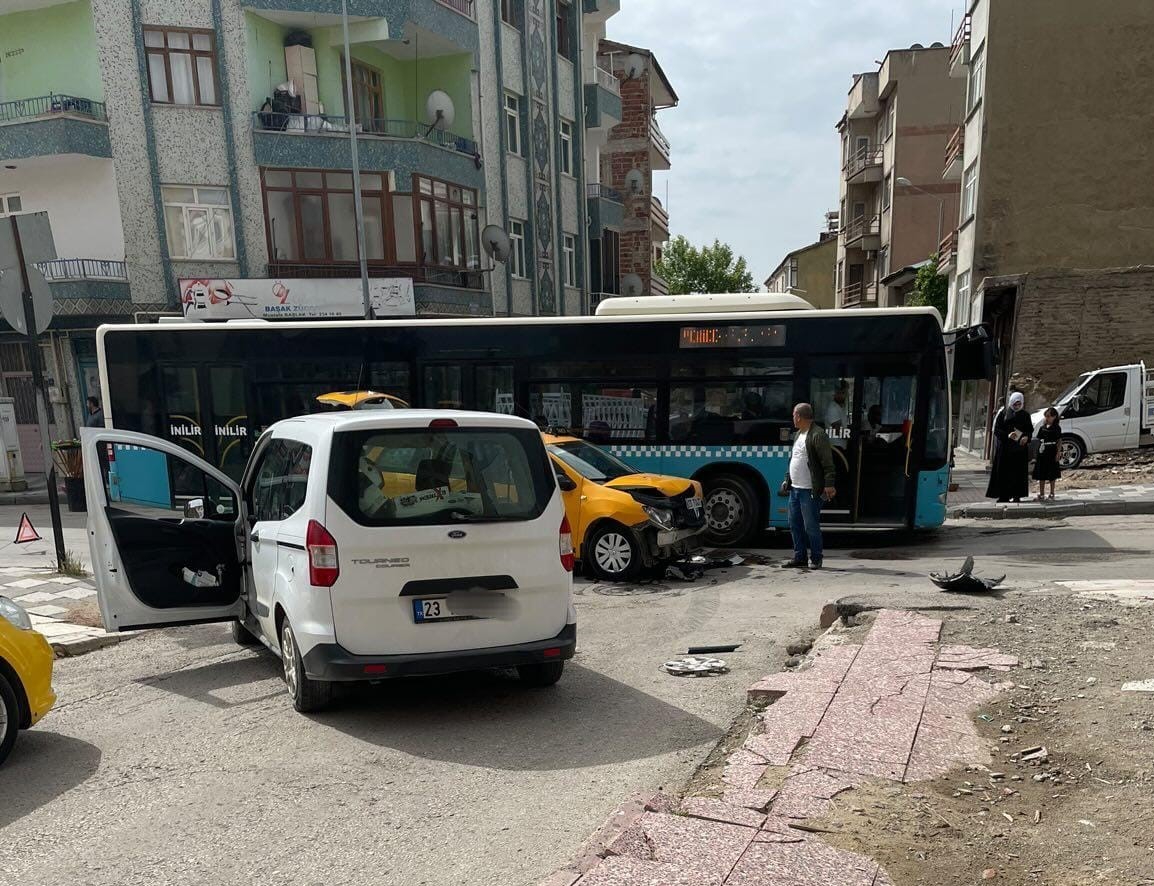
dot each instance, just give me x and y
(1071, 451)
(730, 510)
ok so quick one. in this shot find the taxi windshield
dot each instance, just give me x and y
(590, 461)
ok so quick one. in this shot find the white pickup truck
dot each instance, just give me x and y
(1103, 411)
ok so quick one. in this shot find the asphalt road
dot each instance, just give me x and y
(175, 758)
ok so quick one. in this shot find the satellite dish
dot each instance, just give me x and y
(917, 46)
(439, 111)
(634, 66)
(632, 286)
(635, 182)
(937, 45)
(495, 242)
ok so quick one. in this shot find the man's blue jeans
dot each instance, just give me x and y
(805, 524)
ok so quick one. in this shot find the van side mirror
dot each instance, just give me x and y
(194, 509)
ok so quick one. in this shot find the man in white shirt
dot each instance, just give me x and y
(837, 420)
(811, 481)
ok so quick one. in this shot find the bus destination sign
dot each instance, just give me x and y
(761, 336)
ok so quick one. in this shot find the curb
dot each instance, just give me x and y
(74, 648)
(1054, 511)
(39, 497)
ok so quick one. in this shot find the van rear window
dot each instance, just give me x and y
(440, 477)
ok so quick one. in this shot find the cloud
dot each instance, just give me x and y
(761, 85)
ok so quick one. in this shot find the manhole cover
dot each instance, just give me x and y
(634, 590)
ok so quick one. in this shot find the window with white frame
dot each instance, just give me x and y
(513, 123)
(792, 282)
(566, 147)
(10, 204)
(569, 257)
(977, 84)
(199, 222)
(517, 263)
(970, 191)
(963, 303)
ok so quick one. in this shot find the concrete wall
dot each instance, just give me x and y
(815, 269)
(32, 45)
(1067, 155)
(1070, 321)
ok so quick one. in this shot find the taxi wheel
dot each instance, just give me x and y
(613, 553)
(308, 695)
(9, 718)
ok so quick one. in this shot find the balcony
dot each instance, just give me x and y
(660, 219)
(863, 233)
(948, 253)
(595, 298)
(858, 295)
(954, 155)
(658, 146)
(465, 7)
(657, 285)
(602, 100)
(960, 49)
(437, 276)
(313, 141)
(605, 207)
(863, 97)
(53, 124)
(443, 23)
(864, 165)
(86, 282)
(600, 10)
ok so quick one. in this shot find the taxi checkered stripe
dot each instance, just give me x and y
(701, 451)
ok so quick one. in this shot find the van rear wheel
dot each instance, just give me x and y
(308, 695)
(539, 676)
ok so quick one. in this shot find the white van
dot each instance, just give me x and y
(358, 545)
(1104, 410)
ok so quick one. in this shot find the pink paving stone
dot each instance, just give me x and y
(808, 794)
(719, 810)
(709, 848)
(937, 751)
(629, 841)
(776, 747)
(744, 757)
(743, 775)
(757, 799)
(808, 863)
(625, 871)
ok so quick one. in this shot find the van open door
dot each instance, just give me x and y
(166, 531)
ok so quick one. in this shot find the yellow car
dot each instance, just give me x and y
(623, 521)
(25, 674)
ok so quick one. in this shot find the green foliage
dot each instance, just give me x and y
(931, 289)
(709, 269)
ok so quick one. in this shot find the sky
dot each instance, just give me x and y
(762, 84)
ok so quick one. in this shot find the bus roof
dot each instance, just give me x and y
(697, 303)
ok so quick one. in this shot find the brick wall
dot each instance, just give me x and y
(1072, 321)
(627, 149)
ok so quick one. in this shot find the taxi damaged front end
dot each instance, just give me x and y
(673, 524)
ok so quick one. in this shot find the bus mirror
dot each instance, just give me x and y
(975, 357)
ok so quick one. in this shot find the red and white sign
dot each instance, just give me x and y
(257, 299)
(26, 531)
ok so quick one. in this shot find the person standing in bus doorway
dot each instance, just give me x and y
(1009, 474)
(810, 481)
(95, 414)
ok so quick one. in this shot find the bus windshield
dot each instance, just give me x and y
(590, 462)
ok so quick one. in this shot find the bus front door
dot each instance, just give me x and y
(833, 393)
(206, 412)
(884, 429)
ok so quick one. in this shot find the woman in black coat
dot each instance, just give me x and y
(1010, 473)
(1046, 464)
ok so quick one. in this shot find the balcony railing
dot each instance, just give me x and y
(856, 294)
(659, 214)
(596, 190)
(606, 80)
(465, 7)
(657, 285)
(863, 158)
(960, 47)
(595, 298)
(948, 252)
(954, 148)
(63, 269)
(862, 227)
(658, 137)
(328, 124)
(471, 278)
(51, 105)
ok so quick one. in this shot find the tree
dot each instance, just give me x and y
(931, 289)
(709, 269)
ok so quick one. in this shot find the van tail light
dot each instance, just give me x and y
(566, 545)
(324, 568)
(442, 423)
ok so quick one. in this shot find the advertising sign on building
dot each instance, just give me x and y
(304, 299)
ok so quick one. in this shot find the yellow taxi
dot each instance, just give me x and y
(623, 521)
(25, 675)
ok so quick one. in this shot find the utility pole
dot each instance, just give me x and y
(42, 405)
(358, 207)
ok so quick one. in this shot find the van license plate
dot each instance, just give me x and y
(431, 610)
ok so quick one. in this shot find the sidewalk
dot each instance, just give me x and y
(894, 708)
(35, 494)
(1105, 500)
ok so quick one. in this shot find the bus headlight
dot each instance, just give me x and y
(662, 518)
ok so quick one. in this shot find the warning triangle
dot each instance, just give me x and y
(26, 531)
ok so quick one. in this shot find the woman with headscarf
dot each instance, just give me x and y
(1009, 474)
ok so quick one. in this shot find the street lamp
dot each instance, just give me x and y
(358, 206)
(903, 182)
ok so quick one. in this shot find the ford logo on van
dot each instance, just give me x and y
(458, 533)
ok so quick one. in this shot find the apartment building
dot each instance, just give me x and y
(810, 271)
(188, 149)
(894, 202)
(1051, 247)
(632, 162)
